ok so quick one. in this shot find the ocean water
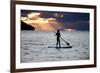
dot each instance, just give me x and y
(34, 46)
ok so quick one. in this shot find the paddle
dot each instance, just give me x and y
(65, 41)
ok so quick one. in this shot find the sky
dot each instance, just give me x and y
(52, 20)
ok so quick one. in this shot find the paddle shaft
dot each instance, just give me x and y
(65, 41)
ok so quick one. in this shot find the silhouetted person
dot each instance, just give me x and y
(58, 39)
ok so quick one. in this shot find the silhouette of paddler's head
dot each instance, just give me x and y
(58, 30)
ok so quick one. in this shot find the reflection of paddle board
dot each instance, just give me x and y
(60, 47)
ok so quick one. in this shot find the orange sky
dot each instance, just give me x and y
(48, 24)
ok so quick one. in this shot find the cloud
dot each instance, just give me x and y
(58, 15)
(48, 24)
(34, 15)
(51, 21)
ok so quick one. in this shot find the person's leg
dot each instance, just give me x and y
(57, 44)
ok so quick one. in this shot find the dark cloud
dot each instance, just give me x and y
(74, 20)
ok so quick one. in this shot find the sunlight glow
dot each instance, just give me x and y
(48, 24)
(69, 30)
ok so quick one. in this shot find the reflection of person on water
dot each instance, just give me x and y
(58, 39)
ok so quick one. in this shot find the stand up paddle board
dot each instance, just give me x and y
(60, 47)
